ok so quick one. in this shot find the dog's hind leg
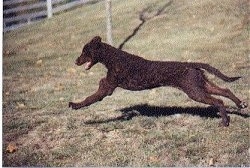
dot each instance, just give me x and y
(211, 88)
(193, 84)
(198, 94)
(220, 105)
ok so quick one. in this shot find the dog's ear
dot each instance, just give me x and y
(96, 42)
(96, 39)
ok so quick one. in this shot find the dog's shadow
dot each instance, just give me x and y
(157, 111)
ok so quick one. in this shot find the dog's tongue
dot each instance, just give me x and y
(87, 65)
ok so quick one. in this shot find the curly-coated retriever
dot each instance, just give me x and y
(135, 73)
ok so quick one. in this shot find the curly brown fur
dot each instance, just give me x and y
(136, 73)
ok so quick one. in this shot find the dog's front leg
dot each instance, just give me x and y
(105, 89)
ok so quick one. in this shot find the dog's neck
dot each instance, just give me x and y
(107, 58)
(110, 56)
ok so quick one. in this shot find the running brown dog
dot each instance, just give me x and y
(135, 73)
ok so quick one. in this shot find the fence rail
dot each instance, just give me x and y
(18, 13)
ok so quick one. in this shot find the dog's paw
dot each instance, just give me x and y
(74, 106)
(225, 122)
(70, 104)
(243, 105)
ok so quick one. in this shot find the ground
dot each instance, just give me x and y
(158, 127)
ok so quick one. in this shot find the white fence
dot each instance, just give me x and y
(18, 13)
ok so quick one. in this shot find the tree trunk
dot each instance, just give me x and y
(109, 22)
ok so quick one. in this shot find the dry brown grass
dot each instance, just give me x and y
(159, 127)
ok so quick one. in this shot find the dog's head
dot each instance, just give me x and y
(89, 55)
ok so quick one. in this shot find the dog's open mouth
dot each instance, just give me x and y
(88, 65)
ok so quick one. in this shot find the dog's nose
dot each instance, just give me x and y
(77, 61)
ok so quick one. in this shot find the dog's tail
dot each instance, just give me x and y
(214, 71)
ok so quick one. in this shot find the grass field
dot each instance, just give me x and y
(158, 127)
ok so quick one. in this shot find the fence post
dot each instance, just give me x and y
(109, 22)
(49, 9)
